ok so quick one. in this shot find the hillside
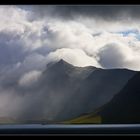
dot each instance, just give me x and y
(125, 106)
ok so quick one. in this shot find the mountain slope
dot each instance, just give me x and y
(64, 91)
(85, 119)
(96, 90)
(54, 89)
(125, 106)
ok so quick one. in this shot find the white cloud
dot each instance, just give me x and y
(115, 55)
(29, 78)
(107, 48)
(76, 57)
(15, 21)
(84, 35)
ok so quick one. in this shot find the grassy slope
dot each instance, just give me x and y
(85, 119)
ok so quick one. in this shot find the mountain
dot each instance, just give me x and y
(125, 106)
(96, 90)
(70, 91)
(65, 91)
(62, 78)
(54, 90)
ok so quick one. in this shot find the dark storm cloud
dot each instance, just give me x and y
(101, 11)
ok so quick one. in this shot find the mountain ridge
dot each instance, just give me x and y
(84, 88)
(64, 91)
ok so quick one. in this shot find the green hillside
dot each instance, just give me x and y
(85, 119)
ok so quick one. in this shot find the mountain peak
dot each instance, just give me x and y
(63, 65)
(63, 62)
(60, 65)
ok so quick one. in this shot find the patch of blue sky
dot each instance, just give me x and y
(138, 36)
(127, 32)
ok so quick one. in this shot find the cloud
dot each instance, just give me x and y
(106, 49)
(73, 56)
(34, 39)
(115, 55)
(109, 12)
(34, 61)
(29, 42)
(29, 78)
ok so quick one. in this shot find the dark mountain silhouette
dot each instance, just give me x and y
(125, 106)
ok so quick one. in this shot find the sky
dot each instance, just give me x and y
(101, 36)
(33, 36)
